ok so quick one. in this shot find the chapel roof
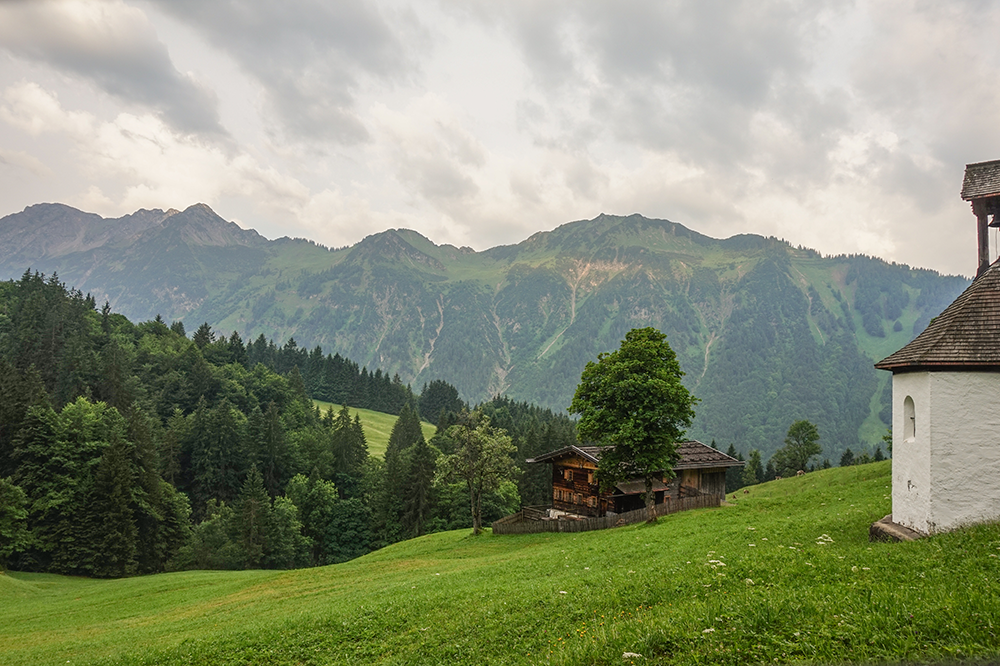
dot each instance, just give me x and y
(693, 455)
(981, 180)
(966, 334)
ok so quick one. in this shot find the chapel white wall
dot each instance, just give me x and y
(965, 449)
(948, 474)
(911, 482)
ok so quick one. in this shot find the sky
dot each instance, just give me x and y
(840, 126)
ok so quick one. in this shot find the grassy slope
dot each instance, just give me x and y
(377, 426)
(677, 592)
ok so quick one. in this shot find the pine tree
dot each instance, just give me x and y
(406, 432)
(753, 471)
(847, 459)
(252, 519)
(734, 475)
(113, 536)
(273, 451)
(417, 504)
(203, 336)
(13, 520)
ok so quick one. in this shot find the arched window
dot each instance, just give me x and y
(909, 420)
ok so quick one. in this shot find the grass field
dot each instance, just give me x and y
(785, 574)
(377, 426)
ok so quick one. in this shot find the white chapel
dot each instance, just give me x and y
(945, 394)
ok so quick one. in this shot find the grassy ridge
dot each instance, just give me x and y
(377, 426)
(786, 573)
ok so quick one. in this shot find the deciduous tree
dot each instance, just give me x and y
(801, 444)
(633, 401)
(482, 460)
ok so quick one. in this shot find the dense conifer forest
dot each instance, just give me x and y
(129, 448)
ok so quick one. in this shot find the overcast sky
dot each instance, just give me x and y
(840, 126)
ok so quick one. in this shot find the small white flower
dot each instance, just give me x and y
(752, 545)
(708, 631)
(748, 581)
(562, 592)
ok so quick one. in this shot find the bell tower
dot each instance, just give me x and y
(981, 187)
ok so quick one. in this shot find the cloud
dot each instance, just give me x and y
(311, 56)
(115, 48)
(22, 160)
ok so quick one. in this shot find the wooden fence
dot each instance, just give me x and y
(530, 520)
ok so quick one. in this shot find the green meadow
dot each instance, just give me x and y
(782, 574)
(377, 426)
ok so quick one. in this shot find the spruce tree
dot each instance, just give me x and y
(113, 535)
(753, 471)
(13, 520)
(734, 475)
(252, 520)
(421, 463)
(203, 336)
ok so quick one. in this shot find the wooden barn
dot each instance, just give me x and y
(701, 470)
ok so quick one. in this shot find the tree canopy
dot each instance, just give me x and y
(801, 444)
(633, 400)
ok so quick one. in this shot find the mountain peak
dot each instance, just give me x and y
(198, 224)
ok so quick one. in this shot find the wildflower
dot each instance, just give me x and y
(748, 581)
(562, 592)
(708, 631)
(752, 545)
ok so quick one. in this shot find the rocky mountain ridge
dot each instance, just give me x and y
(767, 333)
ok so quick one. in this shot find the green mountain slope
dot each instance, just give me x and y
(377, 426)
(766, 333)
(738, 584)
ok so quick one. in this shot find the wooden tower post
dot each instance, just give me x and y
(981, 187)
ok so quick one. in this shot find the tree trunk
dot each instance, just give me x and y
(650, 501)
(477, 519)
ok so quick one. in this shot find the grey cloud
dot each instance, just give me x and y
(115, 49)
(312, 56)
(686, 77)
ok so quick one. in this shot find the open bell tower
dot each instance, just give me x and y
(981, 187)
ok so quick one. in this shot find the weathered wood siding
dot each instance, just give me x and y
(523, 523)
(575, 489)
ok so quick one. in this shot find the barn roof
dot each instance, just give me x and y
(693, 455)
(981, 180)
(966, 334)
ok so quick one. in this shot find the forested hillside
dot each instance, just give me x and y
(767, 333)
(130, 448)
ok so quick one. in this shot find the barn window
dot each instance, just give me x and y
(590, 477)
(568, 474)
(909, 420)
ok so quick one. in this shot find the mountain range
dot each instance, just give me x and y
(766, 333)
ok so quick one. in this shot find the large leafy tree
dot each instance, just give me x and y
(801, 444)
(482, 461)
(633, 401)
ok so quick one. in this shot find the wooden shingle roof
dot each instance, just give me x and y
(966, 334)
(981, 180)
(693, 455)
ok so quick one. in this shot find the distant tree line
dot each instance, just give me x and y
(798, 453)
(129, 448)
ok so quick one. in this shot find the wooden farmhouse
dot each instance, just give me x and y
(701, 470)
(945, 432)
